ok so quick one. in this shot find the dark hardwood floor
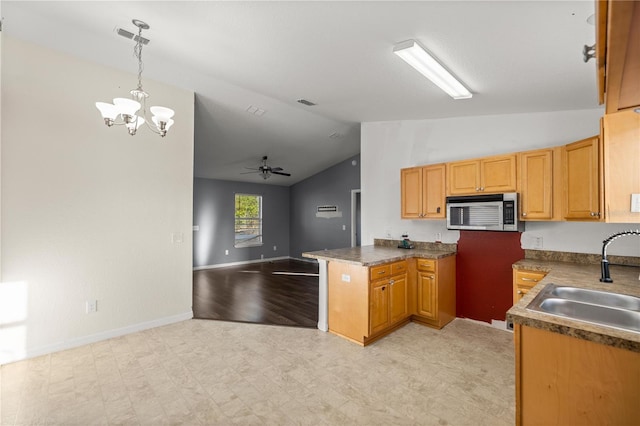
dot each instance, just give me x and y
(253, 293)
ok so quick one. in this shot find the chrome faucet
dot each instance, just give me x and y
(604, 263)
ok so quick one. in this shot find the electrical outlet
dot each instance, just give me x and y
(344, 227)
(537, 243)
(262, 256)
(226, 252)
(91, 306)
(275, 248)
(438, 237)
(177, 237)
(635, 203)
(346, 278)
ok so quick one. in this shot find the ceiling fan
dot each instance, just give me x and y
(266, 171)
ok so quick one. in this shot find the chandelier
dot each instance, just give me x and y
(123, 110)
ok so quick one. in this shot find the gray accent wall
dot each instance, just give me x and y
(213, 213)
(330, 187)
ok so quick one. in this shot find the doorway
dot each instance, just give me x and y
(355, 218)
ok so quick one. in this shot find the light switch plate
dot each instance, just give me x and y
(635, 203)
(346, 278)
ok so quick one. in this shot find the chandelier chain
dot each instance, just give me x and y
(137, 51)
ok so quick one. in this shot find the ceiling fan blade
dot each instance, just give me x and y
(280, 173)
(249, 173)
(277, 169)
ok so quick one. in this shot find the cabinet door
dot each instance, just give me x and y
(379, 306)
(536, 184)
(621, 165)
(498, 174)
(411, 189)
(427, 295)
(463, 177)
(582, 180)
(433, 191)
(398, 299)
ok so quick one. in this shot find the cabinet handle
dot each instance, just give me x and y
(477, 189)
(482, 188)
(381, 272)
(524, 213)
(595, 214)
(392, 282)
(520, 292)
(383, 288)
(431, 277)
(438, 210)
(529, 279)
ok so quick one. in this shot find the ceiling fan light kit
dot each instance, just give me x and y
(265, 171)
(416, 56)
(123, 110)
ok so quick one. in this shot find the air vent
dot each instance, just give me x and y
(306, 102)
(255, 110)
(131, 36)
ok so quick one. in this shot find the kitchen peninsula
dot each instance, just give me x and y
(368, 292)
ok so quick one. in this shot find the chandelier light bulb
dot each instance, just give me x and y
(163, 114)
(126, 106)
(109, 112)
(133, 123)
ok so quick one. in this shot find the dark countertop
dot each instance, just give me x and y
(625, 281)
(375, 255)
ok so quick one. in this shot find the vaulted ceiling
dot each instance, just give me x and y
(515, 56)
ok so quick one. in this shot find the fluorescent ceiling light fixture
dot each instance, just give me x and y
(416, 56)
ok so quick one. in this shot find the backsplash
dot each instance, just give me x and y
(421, 245)
(584, 258)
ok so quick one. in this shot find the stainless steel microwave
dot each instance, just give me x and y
(487, 212)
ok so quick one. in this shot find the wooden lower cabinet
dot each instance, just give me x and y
(366, 303)
(563, 380)
(523, 281)
(435, 291)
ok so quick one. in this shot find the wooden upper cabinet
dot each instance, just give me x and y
(463, 177)
(433, 192)
(498, 174)
(618, 53)
(581, 169)
(411, 190)
(423, 192)
(536, 184)
(621, 153)
(482, 176)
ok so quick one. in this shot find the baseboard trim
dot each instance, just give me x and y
(93, 338)
(242, 262)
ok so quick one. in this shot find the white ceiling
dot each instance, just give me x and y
(515, 56)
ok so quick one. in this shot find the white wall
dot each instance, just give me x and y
(387, 147)
(88, 211)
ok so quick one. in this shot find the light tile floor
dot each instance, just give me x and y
(208, 372)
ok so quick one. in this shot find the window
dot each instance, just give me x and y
(248, 223)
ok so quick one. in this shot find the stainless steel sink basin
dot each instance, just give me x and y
(597, 307)
(596, 297)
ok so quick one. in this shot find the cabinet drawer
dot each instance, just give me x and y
(399, 267)
(528, 278)
(428, 265)
(380, 271)
(520, 292)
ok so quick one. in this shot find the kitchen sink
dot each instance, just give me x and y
(597, 307)
(613, 300)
